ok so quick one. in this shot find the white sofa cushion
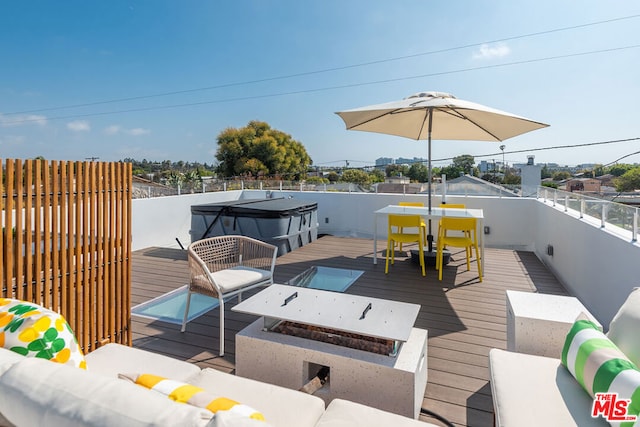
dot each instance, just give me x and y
(344, 413)
(113, 359)
(36, 392)
(623, 329)
(281, 406)
(537, 391)
(8, 358)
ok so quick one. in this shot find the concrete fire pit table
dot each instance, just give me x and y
(372, 351)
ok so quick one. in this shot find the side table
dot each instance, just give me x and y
(539, 323)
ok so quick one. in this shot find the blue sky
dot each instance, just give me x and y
(159, 80)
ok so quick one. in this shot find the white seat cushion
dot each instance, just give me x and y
(113, 359)
(239, 277)
(344, 413)
(280, 406)
(537, 391)
(37, 392)
(623, 329)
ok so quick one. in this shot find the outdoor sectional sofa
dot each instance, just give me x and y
(531, 390)
(38, 392)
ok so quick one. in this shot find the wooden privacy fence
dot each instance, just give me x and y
(66, 243)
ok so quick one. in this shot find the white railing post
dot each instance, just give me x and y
(178, 189)
(603, 215)
(566, 203)
(260, 185)
(555, 197)
(280, 185)
(634, 236)
(301, 187)
(149, 191)
(582, 206)
(224, 185)
(242, 184)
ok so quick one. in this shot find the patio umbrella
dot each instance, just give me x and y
(437, 115)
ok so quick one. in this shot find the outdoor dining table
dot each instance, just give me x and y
(433, 214)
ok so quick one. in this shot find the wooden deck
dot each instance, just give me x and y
(465, 318)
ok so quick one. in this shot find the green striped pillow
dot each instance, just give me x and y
(599, 365)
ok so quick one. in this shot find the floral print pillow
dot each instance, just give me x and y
(34, 331)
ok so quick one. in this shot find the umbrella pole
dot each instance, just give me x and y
(430, 235)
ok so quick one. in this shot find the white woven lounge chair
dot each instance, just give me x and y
(226, 266)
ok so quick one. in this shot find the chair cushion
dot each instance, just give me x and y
(280, 406)
(623, 329)
(238, 277)
(344, 413)
(34, 331)
(111, 359)
(35, 392)
(533, 391)
(599, 365)
(182, 392)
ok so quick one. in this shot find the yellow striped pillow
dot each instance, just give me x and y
(182, 392)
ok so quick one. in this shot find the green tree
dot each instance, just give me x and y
(356, 176)
(629, 181)
(545, 172)
(192, 180)
(396, 170)
(418, 172)
(377, 175)
(257, 148)
(464, 163)
(317, 180)
(333, 176)
(560, 175)
(512, 179)
(461, 165)
(620, 169)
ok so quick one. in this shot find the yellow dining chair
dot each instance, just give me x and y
(452, 206)
(467, 240)
(423, 225)
(396, 234)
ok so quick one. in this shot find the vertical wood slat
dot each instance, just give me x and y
(37, 233)
(28, 213)
(7, 227)
(66, 243)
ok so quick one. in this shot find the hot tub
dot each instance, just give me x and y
(285, 223)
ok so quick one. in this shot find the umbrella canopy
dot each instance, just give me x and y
(452, 119)
(437, 115)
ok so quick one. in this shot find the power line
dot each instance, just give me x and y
(322, 89)
(554, 147)
(588, 144)
(326, 70)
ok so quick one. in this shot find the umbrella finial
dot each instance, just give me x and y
(431, 95)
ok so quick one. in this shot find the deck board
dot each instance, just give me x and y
(465, 318)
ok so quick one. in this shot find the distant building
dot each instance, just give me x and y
(583, 184)
(383, 161)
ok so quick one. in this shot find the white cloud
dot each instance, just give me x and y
(492, 51)
(79, 126)
(137, 131)
(22, 120)
(117, 129)
(112, 130)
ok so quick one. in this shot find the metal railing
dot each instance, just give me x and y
(609, 214)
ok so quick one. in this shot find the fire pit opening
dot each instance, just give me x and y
(341, 338)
